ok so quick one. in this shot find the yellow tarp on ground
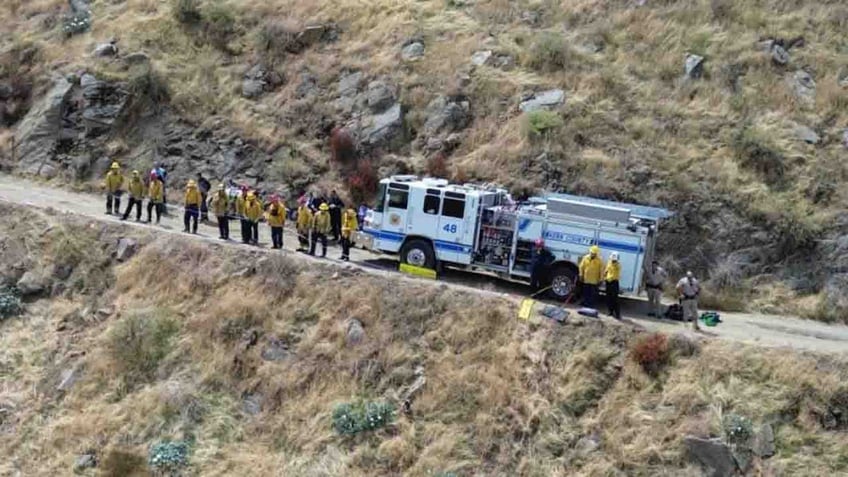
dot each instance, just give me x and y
(526, 309)
(418, 271)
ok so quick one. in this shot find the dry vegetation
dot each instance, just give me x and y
(178, 355)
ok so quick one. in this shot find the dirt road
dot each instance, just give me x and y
(764, 330)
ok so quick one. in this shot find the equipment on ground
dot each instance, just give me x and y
(432, 223)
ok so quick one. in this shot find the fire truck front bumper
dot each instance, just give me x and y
(363, 240)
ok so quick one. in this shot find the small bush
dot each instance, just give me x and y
(756, 153)
(139, 342)
(353, 418)
(187, 12)
(76, 23)
(651, 352)
(342, 146)
(10, 303)
(540, 123)
(277, 38)
(738, 430)
(550, 52)
(362, 182)
(219, 25)
(168, 456)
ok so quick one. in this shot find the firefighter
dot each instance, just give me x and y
(276, 217)
(591, 271)
(612, 275)
(155, 197)
(136, 190)
(542, 258)
(349, 224)
(688, 290)
(192, 207)
(336, 208)
(243, 222)
(654, 279)
(220, 203)
(204, 187)
(113, 183)
(320, 229)
(252, 214)
(304, 224)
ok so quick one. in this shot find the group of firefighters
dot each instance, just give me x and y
(317, 219)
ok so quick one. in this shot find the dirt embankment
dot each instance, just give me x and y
(247, 358)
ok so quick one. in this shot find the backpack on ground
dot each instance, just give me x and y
(710, 318)
(674, 312)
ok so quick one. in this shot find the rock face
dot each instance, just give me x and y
(126, 249)
(104, 104)
(379, 96)
(807, 134)
(713, 454)
(38, 132)
(275, 350)
(803, 86)
(544, 100)
(446, 116)
(694, 66)
(106, 49)
(32, 283)
(764, 446)
(258, 80)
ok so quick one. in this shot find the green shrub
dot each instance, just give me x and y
(550, 52)
(168, 456)
(10, 303)
(219, 25)
(139, 342)
(187, 11)
(738, 430)
(353, 418)
(76, 23)
(540, 123)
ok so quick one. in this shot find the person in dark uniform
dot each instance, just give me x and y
(542, 258)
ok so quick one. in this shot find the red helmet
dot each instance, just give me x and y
(540, 242)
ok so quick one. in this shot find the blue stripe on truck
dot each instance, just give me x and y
(399, 237)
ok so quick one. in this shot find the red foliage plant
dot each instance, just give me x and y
(651, 352)
(342, 146)
(437, 165)
(362, 182)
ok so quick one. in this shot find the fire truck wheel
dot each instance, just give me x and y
(563, 280)
(418, 253)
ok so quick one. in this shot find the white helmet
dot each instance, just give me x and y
(614, 256)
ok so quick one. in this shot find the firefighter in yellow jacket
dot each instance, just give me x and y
(155, 197)
(320, 228)
(276, 217)
(136, 190)
(220, 204)
(192, 206)
(113, 183)
(303, 225)
(252, 213)
(591, 273)
(349, 224)
(612, 275)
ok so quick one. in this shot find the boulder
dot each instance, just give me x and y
(257, 80)
(126, 249)
(379, 130)
(39, 129)
(106, 49)
(694, 66)
(85, 461)
(252, 404)
(350, 83)
(104, 103)
(446, 115)
(482, 57)
(308, 85)
(549, 99)
(137, 58)
(779, 55)
(807, 134)
(32, 283)
(379, 96)
(764, 444)
(412, 51)
(587, 445)
(355, 332)
(68, 378)
(803, 86)
(711, 453)
(275, 350)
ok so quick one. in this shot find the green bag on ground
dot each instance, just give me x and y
(710, 318)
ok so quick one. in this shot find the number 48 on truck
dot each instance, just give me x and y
(432, 223)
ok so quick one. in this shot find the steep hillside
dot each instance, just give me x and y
(222, 361)
(747, 142)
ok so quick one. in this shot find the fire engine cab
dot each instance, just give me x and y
(431, 223)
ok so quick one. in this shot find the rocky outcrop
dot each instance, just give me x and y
(693, 66)
(38, 132)
(549, 99)
(375, 116)
(712, 454)
(104, 103)
(446, 117)
(412, 50)
(803, 86)
(259, 80)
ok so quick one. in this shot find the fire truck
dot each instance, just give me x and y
(431, 223)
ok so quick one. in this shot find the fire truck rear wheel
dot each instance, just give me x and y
(563, 282)
(418, 253)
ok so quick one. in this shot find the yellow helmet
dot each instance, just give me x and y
(251, 195)
(135, 173)
(191, 183)
(594, 250)
(324, 207)
(220, 186)
(115, 165)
